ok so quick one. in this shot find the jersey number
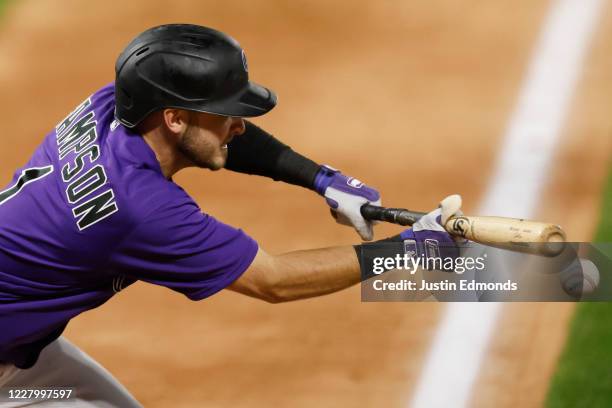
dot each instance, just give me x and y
(27, 176)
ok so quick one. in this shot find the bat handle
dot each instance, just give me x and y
(398, 216)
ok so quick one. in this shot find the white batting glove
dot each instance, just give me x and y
(345, 196)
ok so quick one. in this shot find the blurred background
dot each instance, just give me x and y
(413, 98)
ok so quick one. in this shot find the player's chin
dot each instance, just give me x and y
(218, 161)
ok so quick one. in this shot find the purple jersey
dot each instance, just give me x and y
(90, 214)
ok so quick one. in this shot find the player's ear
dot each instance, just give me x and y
(176, 120)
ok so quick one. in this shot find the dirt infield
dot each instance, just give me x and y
(403, 95)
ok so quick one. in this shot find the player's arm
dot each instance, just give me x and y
(299, 274)
(259, 153)
(315, 272)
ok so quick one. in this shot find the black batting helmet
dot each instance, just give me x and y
(186, 66)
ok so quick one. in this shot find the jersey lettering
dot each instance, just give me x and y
(95, 209)
(86, 184)
(72, 116)
(81, 134)
(77, 135)
(68, 173)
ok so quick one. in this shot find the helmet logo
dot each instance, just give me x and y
(244, 61)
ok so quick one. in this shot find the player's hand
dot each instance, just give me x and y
(429, 237)
(345, 195)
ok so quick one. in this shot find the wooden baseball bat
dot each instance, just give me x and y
(508, 233)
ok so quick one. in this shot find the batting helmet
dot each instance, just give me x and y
(189, 67)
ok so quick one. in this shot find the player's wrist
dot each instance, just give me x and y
(426, 244)
(294, 168)
(388, 247)
(328, 176)
(324, 178)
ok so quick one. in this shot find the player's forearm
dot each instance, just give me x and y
(259, 153)
(315, 272)
(299, 274)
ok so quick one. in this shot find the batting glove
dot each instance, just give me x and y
(345, 195)
(428, 238)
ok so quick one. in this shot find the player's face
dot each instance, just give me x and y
(205, 140)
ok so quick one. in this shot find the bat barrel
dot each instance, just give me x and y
(510, 233)
(507, 233)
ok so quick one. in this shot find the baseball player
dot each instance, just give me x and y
(95, 208)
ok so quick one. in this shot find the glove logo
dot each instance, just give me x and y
(432, 250)
(353, 182)
(410, 248)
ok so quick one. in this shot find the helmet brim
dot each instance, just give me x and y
(254, 100)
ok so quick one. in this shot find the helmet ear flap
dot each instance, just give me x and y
(126, 98)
